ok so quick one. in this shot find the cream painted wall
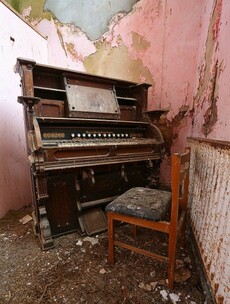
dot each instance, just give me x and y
(17, 39)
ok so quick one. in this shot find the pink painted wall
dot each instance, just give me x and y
(212, 90)
(17, 39)
(180, 47)
(181, 39)
(156, 42)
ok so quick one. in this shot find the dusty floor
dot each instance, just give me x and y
(76, 270)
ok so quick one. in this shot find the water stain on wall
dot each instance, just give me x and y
(117, 63)
(139, 43)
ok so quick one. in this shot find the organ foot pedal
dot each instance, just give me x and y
(93, 221)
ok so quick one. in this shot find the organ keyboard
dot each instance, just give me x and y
(87, 143)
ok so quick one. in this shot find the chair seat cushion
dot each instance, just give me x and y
(150, 204)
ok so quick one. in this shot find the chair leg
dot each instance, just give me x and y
(111, 248)
(172, 257)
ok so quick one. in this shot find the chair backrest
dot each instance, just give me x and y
(179, 182)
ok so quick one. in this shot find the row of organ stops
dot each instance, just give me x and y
(99, 135)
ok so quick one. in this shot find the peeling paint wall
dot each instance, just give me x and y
(165, 43)
(209, 190)
(169, 44)
(145, 38)
(123, 51)
(211, 96)
(181, 28)
(149, 41)
(14, 178)
(91, 16)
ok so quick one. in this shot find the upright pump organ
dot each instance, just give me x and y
(88, 142)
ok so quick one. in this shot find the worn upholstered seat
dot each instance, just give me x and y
(147, 208)
(149, 204)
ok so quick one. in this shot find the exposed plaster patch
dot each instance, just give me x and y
(91, 16)
(35, 13)
(169, 128)
(83, 46)
(61, 39)
(71, 50)
(119, 39)
(207, 89)
(210, 44)
(216, 24)
(210, 116)
(26, 12)
(66, 38)
(176, 121)
(116, 62)
(139, 43)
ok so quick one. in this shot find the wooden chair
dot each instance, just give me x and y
(145, 207)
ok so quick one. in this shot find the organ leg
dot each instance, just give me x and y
(43, 225)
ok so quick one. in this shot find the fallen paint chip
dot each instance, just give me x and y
(147, 287)
(174, 297)
(102, 271)
(92, 240)
(79, 243)
(141, 285)
(188, 260)
(179, 264)
(153, 284)
(164, 294)
(153, 274)
(181, 275)
(27, 218)
(144, 286)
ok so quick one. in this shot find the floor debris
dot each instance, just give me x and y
(92, 240)
(181, 275)
(77, 271)
(174, 297)
(164, 294)
(27, 218)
